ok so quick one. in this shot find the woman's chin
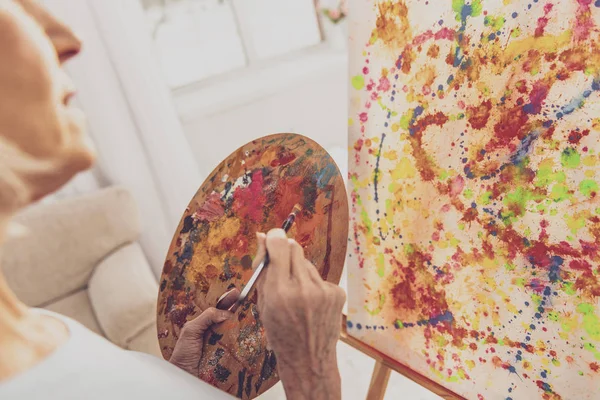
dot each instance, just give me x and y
(53, 180)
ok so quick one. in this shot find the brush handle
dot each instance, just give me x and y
(287, 224)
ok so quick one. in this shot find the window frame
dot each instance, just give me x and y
(252, 61)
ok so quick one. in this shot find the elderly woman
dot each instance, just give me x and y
(45, 355)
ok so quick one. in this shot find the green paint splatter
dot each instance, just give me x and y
(591, 348)
(406, 118)
(570, 158)
(380, 265)
(545, 176)
(591, 323)
(443, 175)
(364, 216)
(485, 198)
(520, 282)
(553, 316)
(559, 193)
(496, 23)
(588, 187)
(468, 193)
(398, 324)
(463, 10)
(575, 224)
(476, 8)
(569, 288)
(509, 267)
(379, 306)
(358, 82)
(516, 204)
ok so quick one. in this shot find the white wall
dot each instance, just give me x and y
(314, 105)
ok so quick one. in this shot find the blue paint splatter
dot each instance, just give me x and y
(554, 273)
(524, 147)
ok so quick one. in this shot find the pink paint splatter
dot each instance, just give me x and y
(445, 33)
(584, 23)
(211, 210)
(384, 84)
(457, 186)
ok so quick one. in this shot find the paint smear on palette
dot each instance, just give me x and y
(474, 175)
(252, 190)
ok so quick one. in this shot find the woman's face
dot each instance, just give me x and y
(42, 142)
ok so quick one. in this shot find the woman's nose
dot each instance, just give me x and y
(66, 43)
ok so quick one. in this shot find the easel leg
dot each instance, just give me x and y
(379, 381)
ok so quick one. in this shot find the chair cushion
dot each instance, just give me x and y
(78, 307)
(65, 241)
(123, 293)
(146, 342)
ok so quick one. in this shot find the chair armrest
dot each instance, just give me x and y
(123, 294)
(65, 242)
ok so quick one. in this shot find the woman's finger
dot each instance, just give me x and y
(298, 267)
(279, 269)
(228, 299)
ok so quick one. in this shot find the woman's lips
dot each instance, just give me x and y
(67, 98)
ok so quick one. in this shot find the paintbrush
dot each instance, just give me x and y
(287, 224)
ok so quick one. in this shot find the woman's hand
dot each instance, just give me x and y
(188, 349)
(302, 315)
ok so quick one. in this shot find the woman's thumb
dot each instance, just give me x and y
(199, 325)
(261, 251)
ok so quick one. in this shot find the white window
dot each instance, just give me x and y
(197, 39)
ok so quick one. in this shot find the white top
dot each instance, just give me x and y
(89, 367)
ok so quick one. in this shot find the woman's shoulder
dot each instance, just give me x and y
(89, 366)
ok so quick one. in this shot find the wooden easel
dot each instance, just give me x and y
(384, 365)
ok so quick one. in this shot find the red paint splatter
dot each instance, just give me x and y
(574, 59)
(537, 96)
(543, 21)
(358, 145)
(248, 202)
(479, 115)
(575, 136)
(283, 159)
(510, 126)
(363, 117)
(594, 366)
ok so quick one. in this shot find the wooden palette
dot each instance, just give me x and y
(252, 190)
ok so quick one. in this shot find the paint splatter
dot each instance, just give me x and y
(475, 222)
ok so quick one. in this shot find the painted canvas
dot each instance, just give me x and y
(475, 215)
(252, 190)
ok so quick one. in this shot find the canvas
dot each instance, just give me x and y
(474, 129)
